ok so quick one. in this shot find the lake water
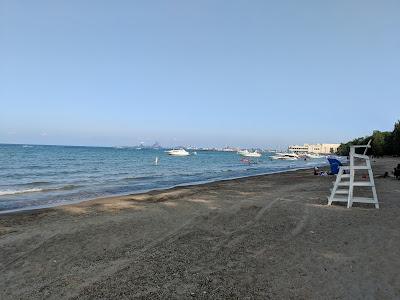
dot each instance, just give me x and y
(33, 176)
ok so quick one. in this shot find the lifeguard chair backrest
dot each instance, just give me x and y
(367, 146)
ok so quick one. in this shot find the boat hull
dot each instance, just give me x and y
(283, 158)
(251, 155)
(178, 152)
(174, 154)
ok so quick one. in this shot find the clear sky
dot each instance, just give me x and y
(206, 73)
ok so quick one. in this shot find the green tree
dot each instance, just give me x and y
(396, 138)
(383, 143)
(378, 143)
(343, 149)
(388, 148)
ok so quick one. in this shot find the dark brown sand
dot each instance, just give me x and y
(263, 237)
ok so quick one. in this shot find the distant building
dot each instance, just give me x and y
(315, 148)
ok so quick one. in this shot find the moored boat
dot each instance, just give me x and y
(247, 153)
(285, 156)
(313, 155)
(178, 152)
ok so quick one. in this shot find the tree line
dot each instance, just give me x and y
(383, 142)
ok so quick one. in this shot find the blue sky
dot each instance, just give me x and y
(246, 73)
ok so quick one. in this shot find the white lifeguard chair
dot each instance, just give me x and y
(346, 178)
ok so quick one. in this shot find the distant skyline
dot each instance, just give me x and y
(206, 73)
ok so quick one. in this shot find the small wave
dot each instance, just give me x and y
(67, 187)
(35, 190)
(34, 183)
(12, 192)
(129, 178)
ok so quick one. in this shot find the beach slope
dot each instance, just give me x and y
(270, 236)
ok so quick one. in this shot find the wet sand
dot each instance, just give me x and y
(270, 236)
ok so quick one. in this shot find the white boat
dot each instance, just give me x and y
(247, 153)
(178, 152)
(285, 156)
(313, 155)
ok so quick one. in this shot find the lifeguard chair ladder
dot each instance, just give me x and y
(345, 194)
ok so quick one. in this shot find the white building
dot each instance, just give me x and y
(315, 148)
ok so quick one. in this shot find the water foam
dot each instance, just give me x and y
(13, 192)
(35, 190)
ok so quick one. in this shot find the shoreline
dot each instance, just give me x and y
(259, 237)
(139, 192)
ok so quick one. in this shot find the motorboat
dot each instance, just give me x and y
(285, 156)
(178, 152)
(247, 153)
(313, 155)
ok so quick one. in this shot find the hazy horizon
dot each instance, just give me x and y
(150, 145)
(206, 74)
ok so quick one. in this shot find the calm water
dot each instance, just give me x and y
(41, 176)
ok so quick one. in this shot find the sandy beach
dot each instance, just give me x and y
(270, 236)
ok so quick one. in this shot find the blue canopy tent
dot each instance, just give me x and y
(335, 164)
